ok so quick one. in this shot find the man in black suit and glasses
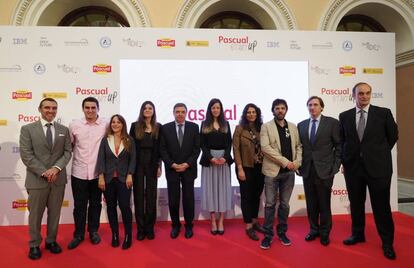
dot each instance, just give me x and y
(179, 149)
(369, 133)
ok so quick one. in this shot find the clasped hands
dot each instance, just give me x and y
(51, 174)
(218, 161)
(180, 167)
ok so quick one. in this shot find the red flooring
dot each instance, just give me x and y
(233, 249)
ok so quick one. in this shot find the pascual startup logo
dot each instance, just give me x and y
(133, 43)
(102, 68)
(165, 43)
(105, 42)
(21, 95)
(371, 47)
(338, 94)
(39, 68)
(347, 70)
(68, 68)
(82, 42)
(347, 45)
(102, 94)
(238, 43)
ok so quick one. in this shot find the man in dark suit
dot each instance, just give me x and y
(179, 149)
(369, 133)
(45, 149)
(321, 158)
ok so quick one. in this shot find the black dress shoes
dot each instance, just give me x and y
(252, 234)
(352, 240)
(214, 232)
(140, 236)
(35, 253)
(389, 252)
(127, 242)
(75, 242)
(95, 239)
(53, 248)
(220, 232)
(115, 240)
(188, 232)
(311, 236)
(175, 232)
(257, 227)
(150, 235)
(325, 240)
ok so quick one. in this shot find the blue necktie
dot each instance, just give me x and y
(313, 131)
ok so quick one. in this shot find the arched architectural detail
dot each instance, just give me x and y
(277, 12)
(28, 12)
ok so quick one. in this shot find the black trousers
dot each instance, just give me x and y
(145, 198)
(173, 186)
(117, 193)
(86, 192)
(379, 192)
(318, 202)
(250, 191)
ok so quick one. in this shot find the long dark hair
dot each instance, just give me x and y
(124, 133)
(208, 123)
(257, 123)
(140, 125)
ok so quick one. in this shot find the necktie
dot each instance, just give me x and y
(361, 125)
(180, 134)
(49, 138)
(313, 131)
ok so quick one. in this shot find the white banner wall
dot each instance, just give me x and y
(70, 64)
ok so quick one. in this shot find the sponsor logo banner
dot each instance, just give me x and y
(133, 43)
(14, 68)
(55, 95)
(371, 47)
(105, 42)
(102, 94)
(165, 43)
(319, 70)
(3, 122)
(325, 45)
(373, 70)
(238, 43)
(347, 45)
(22, 204)
(347, 70)
(273, 44)
(22, 95)
(102, 68)
(68, 68)
(39, 68)
(27, 118)
(20, 41)
(44, 42)
(81, 42)
(197, 43)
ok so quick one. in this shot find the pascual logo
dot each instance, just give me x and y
(347, 45)
(39, 68)
(238, 43)
(273, 44)
(335, 91)
(14, 68)
(68, 68)
(371, 47)
(105, 42)
(55, 95)
(20, 204)
(165, 43)
(44, 42)
(102, 94)
(21, 95)
(133, 43)
(347, 70)
(102, 68)
(320, 71)
(372, 70)
(82, 42)
(3, 122)
(19, 41)
(325, 45)
(27, 118)
(196, 43)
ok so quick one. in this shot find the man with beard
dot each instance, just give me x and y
(282, 150)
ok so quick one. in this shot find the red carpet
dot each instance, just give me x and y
(233, 249)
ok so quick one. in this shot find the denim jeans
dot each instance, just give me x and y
(281, 185)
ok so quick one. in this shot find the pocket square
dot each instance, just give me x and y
(61, 135)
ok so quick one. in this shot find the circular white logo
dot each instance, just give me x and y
(39, 68)
(347, 45)
(105, 42)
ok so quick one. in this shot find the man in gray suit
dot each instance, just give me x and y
(321, 157)
(45, 149)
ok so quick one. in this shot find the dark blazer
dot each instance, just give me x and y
(325, 153)
(380, 135)
(205, 148)
(155, 155)
(243, 146)
(38, 157)
(108, 162)
(172, 153)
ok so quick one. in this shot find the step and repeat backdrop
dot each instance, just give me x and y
(123, 67)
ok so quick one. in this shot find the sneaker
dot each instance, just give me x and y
(284, 240)
(266, 242)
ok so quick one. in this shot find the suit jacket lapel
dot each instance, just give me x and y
(275, 130)
(306, 130)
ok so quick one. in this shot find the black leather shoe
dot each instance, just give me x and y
(389, 252)
(127, 242)
(311, 236)
(175, 232)
(220, 232)
(257, 227)
(75, 242)
(150, 235)
(115, 240)
(140, 236)
(213, 232)
(325, 240)
(188, 232)
(95, 239)
(53, 248)
(352, 240)
(35, 253)
(252, 234)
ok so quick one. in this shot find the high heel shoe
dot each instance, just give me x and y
(115, 240)
(127, 242)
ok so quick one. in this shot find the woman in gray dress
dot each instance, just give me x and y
(215, 142)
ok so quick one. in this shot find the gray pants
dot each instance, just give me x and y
(52, 198)
(281, 185)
